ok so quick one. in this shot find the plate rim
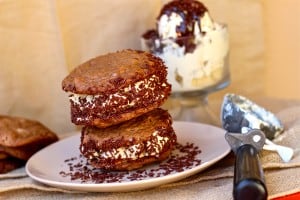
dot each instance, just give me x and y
(116, 187)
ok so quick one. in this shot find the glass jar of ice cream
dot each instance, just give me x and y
(195, 49)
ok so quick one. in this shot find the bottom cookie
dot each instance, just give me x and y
(146, 139)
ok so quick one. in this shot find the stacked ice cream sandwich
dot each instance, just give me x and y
(116, 97)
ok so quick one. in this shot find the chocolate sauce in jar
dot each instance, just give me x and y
(190, 11)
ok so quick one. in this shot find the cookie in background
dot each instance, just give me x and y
(20, 138)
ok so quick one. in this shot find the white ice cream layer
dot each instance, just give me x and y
(85, 100)
(134, 152)
(90, 99)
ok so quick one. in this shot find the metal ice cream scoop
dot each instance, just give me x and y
(248, 174)
(239, 115)
(248, 126)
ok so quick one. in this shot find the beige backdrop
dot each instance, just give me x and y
(282, 39)
(41, 41)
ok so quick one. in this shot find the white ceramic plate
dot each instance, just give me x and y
(45, 166)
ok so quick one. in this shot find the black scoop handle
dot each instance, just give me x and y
(248, 175)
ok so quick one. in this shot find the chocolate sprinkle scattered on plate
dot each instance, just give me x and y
(183, 157)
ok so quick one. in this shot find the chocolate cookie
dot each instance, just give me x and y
(130, 145)
(20, 137)
(26, 151)
(116, 87)
(8, 164)
(3, 155)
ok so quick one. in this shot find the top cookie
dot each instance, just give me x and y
(112, 71)
(116, 87)
(17, 131)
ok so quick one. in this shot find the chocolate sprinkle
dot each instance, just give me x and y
(182, 158)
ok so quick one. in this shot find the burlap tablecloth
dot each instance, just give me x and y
(213, 183)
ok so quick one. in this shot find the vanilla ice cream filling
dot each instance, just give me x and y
(204, 66)
(145, 88)
(138, 86)
(136, 151)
